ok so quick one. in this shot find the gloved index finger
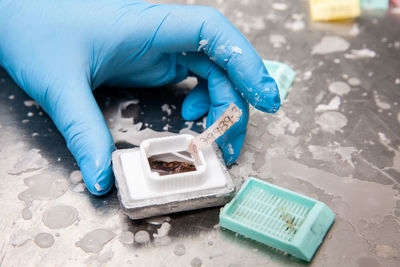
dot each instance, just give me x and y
(203, 29)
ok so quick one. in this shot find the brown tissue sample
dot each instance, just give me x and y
(170, 167)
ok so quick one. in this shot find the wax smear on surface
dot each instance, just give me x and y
(26, 213)
(296, 23)
(179, 250)
(344, 235)
(20, 237)
(355, 30)
(385, 251)
(163, 230)
(332, 121)
(339, 88)
(396, 157)
(162, 241)
(44, 240)
(332, 105)
(161, 238)
(280, 6)
(277, 40)
(354, 81)
(125, 130)
(319, 96)
(43, 186)
(126, 237)
(76, 177)
(333, 152)
(31, 103)
(142, 237)
(106, 256)
(216, 253)
(94, 241)
(158, 220)
(30, 161)
(330, 44)
(379, 103)
(282, 124)
(166, 108)
(79, 188)
(60, 216)
(196, 262)
(355, 200)
(248, 24)
(362, 53)
(307, 75)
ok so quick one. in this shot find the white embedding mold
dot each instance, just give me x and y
(169, 183)
(144, 192)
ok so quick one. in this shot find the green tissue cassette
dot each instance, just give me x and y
(282, 74)
(374, 4)
(279, 218)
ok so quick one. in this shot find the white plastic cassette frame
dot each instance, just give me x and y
(144, 193)
(171, 182)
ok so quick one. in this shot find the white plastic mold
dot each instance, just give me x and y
(144, 193)
(170, 182)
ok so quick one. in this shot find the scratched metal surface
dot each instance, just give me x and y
(355, 170)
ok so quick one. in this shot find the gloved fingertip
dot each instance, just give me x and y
(98, 175)
(102, 186)
(229, 155)
(231, 148)
(104, 183)
(267, 99)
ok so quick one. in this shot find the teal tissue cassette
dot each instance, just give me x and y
(282, 74)
(279, 218)
(374, 4)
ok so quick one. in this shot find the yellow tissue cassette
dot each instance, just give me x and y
(326, 10)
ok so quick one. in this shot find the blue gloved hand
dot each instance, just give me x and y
(59, 51)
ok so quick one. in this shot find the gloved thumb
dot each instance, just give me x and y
(77, 116)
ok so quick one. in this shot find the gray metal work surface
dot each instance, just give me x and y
(336, 142)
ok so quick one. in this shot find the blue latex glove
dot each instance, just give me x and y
(59, 51)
